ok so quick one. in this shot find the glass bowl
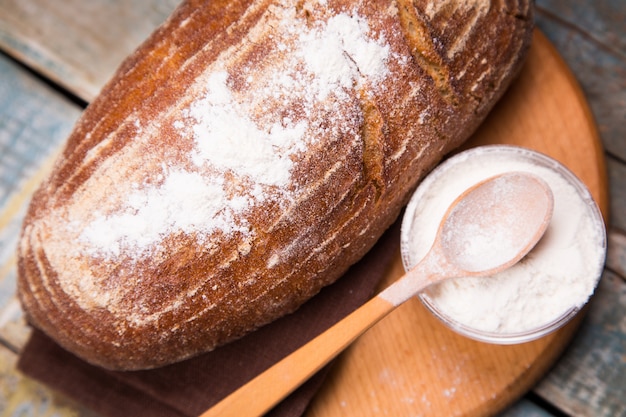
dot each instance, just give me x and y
(473, 309)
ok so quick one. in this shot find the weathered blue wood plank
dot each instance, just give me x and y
(77, 43)
(591, 37)
(30, 127)
(601, 20)
(34, 121)
(590, 379)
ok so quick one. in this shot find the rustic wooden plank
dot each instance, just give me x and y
(21, 396)
(601, 20)
(591, 37)
(590, 378)
(34, 120)
(77, 43)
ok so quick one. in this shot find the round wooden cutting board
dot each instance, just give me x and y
(410, 363)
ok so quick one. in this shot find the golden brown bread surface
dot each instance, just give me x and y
(244, 157)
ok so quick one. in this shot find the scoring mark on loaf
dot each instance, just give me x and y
(466, 13)
(425, 49)
(373, 139)
(439, 31)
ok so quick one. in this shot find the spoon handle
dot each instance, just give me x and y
(266, 390)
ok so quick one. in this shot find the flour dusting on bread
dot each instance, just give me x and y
(237, 131)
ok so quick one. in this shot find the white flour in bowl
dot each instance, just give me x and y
(544, 289)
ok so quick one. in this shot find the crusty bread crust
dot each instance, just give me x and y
(166, 228)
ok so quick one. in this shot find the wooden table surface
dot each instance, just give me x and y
(57, 53)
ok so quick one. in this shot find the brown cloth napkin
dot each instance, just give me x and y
(189, 388)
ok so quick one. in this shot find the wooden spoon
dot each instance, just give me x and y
(487, 229)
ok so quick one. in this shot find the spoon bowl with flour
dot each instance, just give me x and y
(487, 229)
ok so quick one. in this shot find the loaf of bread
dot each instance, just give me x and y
(244, 157)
